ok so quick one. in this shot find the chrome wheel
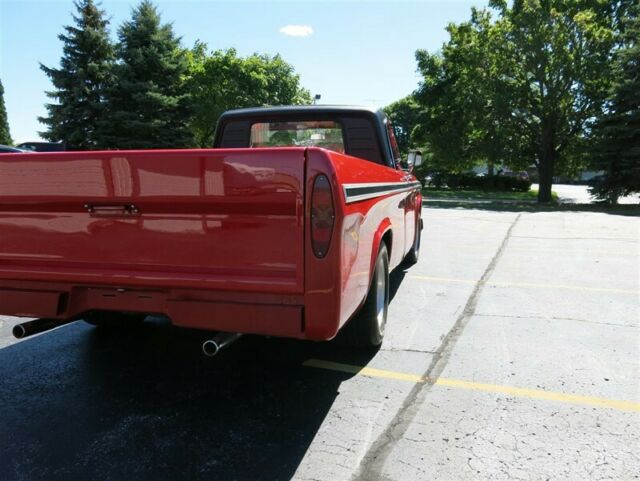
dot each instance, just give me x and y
(366, 329)
(381, 295)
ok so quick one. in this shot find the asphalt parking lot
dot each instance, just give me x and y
(512, 352)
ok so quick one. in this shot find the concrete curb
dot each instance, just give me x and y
(477, 201)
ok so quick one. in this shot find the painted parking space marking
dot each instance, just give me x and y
(362, 370)
(582, 252)
(478, 386)
(527, 284)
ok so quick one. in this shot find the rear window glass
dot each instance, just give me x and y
(309, 133)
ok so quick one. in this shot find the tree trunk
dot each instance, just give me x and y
(546, 165)
(614, 193)
(545, 172)
(490, 168)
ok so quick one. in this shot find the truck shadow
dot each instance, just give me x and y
(78, 403)
(396, 277)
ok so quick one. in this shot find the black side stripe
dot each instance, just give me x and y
(356, 192)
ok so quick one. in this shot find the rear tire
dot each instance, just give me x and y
(367, 327)
(114, 320)
(412, 256)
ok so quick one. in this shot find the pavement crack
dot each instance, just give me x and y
(372, 463)
(419, 351)
(577, 238)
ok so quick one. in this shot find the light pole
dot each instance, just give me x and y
(316, 98)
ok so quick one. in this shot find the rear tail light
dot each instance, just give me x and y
(322, 216)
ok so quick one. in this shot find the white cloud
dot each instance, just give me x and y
(297, 30)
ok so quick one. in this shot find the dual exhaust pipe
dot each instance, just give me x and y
(210, 347)
(29, 328)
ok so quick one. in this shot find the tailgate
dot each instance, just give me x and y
(211, 219)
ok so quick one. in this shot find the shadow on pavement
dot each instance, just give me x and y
(78, 403)
(395, 280)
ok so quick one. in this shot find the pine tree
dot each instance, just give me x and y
(81, 80)
(148, 105)
(617, 134)
(5, 136)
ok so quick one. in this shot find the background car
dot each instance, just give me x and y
(42, 146)
(7, 149)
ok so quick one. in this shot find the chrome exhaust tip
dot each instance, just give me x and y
(220, 341)
(210, 348)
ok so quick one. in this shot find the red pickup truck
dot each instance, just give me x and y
(288, 227)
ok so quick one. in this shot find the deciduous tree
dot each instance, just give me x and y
(522, 88)
(404, 115)
(221, 80)
(555, 57)
(463, 96)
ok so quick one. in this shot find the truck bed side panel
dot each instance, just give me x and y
(208, 219)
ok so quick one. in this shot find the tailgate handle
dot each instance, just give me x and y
(112, 210)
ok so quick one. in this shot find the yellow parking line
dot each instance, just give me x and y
(565, 252)
(540, 394)
(365, 371)
(561, 286)
(478, 386)
(568, 252)
(527, 284)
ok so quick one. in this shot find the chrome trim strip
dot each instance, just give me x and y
(370, 190)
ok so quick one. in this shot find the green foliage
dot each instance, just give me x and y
(462, 118)
(404, 115)
(221, 80)
(81, 80)
(148, 104)
(5, 136)
(149, 92)
(520, 89)
(617, 133)
(488, 182)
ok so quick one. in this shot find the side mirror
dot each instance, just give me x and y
(414, 159)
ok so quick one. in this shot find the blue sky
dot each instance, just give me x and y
(358, 53)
